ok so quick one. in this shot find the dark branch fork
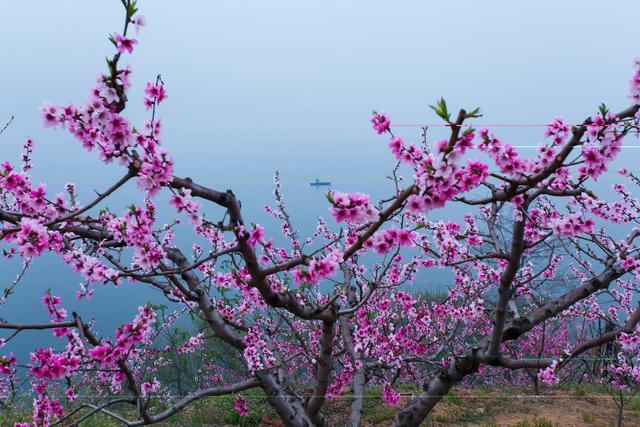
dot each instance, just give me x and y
(488, 349)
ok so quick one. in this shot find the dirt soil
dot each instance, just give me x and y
(502, 408)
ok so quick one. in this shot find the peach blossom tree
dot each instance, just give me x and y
(329, 312)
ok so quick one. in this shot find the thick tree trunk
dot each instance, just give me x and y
(620, 409)
(536, 385)
(357, 403)
(325, 363)
(416, 411)
(289, 408)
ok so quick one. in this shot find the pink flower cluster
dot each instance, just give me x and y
(149, 387)
(389, 396)
(449, 180)
(47, 364)
(256, 235)
(635, 85)
(548, 375)
(183, 202)
(6, 363)
(256, 353)
(33, 237)
(45, 408)
(57, 314)
(240, 405)
(20, 194)
(558, 130)
(550, 272)
(507, 158)
(352, 207)
(127, 336)
(630, 263)
(96, 124)
(572, 225)
(603, 145)
(381, 123)
(440, 179)
(193, 344)
(319, 268)
(90, 267)
(384, 241)
(124, 44)
(135, 228)
(155, 94)
(630, 342)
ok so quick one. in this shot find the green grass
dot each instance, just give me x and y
(453, 399)
(634, 404)
(587, 417)
(481, 405)
(376, 411)
(584, 389)
(538, 422)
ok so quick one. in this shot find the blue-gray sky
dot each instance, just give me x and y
(259, 86)
(290, 85)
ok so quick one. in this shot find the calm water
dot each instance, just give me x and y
(254, 88)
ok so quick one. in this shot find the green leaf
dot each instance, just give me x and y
(473, 114)
(603, 109)
(441, 110)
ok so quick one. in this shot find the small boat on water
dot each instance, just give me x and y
(319, 183)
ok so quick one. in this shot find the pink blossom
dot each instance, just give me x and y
(635, 85)
(352, 207)
(240, 405)
(256, 235)
(381, 123)
(33, 238)
(630, 342)
(71, 394)
(149, 387)
(6, 363)
(518, 200)
(123, 43)
(548, 375)
(629, 263)
(389, 396)
(397, 146)
(139, 22)
(155, 94)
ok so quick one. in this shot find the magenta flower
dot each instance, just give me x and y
(149, 387)
(518, 200)
(32, 238)
(381, 123)
(51, 114)
(240, 405)
(352, 207)
(389, 396)
(123, 43)
(548, 375)
(155, 95)
(139, 22)
(256, 235)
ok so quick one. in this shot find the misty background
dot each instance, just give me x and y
(257, 87)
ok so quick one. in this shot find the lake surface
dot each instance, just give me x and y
(254, 88)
